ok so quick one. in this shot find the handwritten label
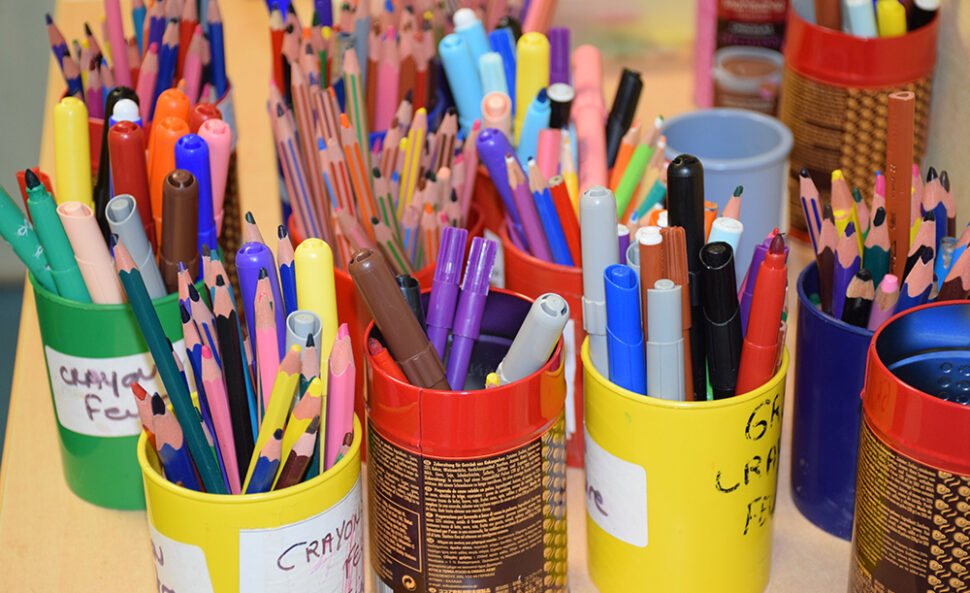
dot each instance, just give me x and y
(569, 371)
(179, 568)
(616, 494)
(93, 396)
(322, 554)
(758, 471)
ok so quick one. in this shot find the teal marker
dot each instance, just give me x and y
(50, 231)
(17, 230)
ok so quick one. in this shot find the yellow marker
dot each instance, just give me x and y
(301, 416)
(316, 291)
(279, 405)
(890, 18)
(491, 380)
(532, 73)
(72, 153)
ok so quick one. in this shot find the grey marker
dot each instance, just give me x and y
(601, 249)
(536, 339)
(124, 221)
(633, 257)
(300, 324)
(665, 344)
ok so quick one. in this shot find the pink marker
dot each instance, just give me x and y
(547, 153)
(590, 115)
(218, 135)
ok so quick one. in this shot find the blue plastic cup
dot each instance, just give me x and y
(738, 147)
(830, 367)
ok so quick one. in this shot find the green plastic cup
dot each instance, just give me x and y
(93, 354)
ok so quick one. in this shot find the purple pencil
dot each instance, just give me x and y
(471, 305)
(847, 262)
(529, 215)
(884, 305)
(444, 289)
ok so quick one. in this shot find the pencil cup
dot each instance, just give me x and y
(835, 90)
(533, 277)
(93, 354)
(308, 537)
(680, 496)
(467, 488)
(912, 515)
(737, 147)
(352, 310)
(829, 374)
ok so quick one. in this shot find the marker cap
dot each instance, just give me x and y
(300, 324)
(536, 339)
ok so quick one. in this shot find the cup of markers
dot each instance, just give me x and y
(492, 449)
(676, 361)
(849, 292)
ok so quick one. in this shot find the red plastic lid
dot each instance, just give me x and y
(836, 58)
(461, 424)
(920, 426)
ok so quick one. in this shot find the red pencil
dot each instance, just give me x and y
(567, 216)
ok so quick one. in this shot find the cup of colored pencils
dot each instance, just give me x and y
(267, 418)
(853, 287)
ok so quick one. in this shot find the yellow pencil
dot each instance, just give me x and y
(303, 413)
(284, 386)
(412, 161)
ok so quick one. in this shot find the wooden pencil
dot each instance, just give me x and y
(218, 402)
(899, 163)
(170, 445)
(825, 258)
(858, 299)
(916, 288)
(876, 252)
(299, 456)
(271, 425)
(306, 411)
(847, 263)
(266, 465)
(267, 339)
(925, 238)
(250, 230)
(956, 286)
(884, 303)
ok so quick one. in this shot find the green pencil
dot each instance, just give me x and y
(178, 393)
(17, 230)
(631, 177)
(50, 231)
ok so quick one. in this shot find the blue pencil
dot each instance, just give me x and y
(284, 258)
(167, 61)
(170, 445)
(138, 19)
(264, 472)
(217, 50)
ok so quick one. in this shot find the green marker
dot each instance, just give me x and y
(50, 231)
(17, 230)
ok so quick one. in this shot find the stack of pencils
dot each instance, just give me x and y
(852, 248)
(170, 45)
(266, 415)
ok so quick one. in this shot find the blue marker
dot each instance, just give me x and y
(192, 154)
(462, 73)
(503, 43)
(536, 118)
(468, 25)
(492, 72)
(624, 330)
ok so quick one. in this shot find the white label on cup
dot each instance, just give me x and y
(93, 396)
(569, 370)
(179, 567)
(497, 279)
(322, 554)
(616, 494)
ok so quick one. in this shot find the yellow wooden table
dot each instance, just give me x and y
(52, 541)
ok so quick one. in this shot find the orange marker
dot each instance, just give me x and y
(167, 133)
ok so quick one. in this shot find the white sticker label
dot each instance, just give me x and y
(179, 568)
(322, 554)
(569, 370)
(616, 494)
(93, 396)
(497, 279)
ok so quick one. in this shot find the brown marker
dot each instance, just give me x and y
(180, 208)
(406, 342)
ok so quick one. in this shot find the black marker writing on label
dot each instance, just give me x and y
(596, 497)
(101, 380)
(114, 413)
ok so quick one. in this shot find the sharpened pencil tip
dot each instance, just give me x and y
(281, 232)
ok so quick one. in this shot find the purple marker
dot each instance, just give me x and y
(492, 146)
(249, 259)
(471, 305)
(444, 289)
(559, 55)
(623, 235)
(749, 279)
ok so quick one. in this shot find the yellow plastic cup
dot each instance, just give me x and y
(302, 538)
(680, 496)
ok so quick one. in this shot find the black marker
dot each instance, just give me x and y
(722, 318)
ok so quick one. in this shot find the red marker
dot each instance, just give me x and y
(126, 147)
(201, 113)
(760, 350)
